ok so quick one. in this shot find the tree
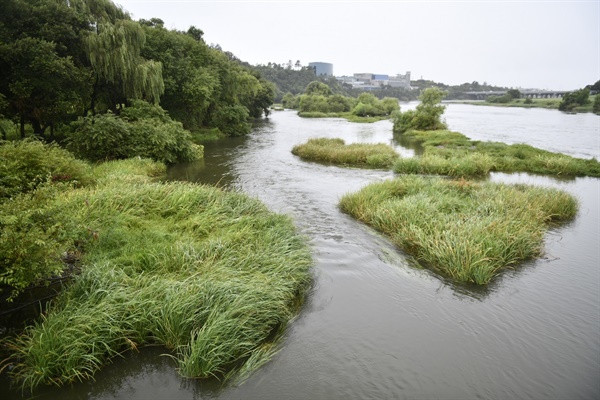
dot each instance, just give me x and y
(318, 88)
(514, 93)
(426, 116)
(574, 99)
(114, 52)
(40, 86)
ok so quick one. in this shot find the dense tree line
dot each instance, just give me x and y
(65, 59)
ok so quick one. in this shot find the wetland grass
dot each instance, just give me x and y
(346, 115)
(213, 276)
(464, 230)
(335, 151)
(453, 154)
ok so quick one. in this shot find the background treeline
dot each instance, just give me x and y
(67, 59)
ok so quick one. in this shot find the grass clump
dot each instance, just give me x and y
(336, 151)
(464, 230)
(209, 274)
(453, 154)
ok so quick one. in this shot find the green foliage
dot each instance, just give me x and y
(35, 235)
(232, 120)
(288, 80)
(317, 88)
(453, 154)
(143, 130)
(427, 115)
(209, 274)
(574, 99)
(596, 106)
(369, 105)
(27, 164)
(528, 101)
(114, 53)
(500, 99)
(290, 101)
(464, 230)
(336, 151)
(514, 93)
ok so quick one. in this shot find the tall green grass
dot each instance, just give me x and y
(464, 230)
(212, 275)
(453, 154)
(336, 151)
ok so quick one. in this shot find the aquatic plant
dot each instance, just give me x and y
(336, 151)
(465, 230)
(454, 154)
(214, 276)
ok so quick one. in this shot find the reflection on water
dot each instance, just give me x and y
(377, 326)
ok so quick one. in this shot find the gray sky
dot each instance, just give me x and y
(526, 44)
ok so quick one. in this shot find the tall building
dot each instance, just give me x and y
(322, 68)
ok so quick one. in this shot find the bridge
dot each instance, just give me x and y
(526, 93)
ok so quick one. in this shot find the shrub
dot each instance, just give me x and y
(143, 130)
(24, 165)
(35, 234)
(426, 117)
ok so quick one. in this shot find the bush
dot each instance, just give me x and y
(24, 165)
(143, 130)
(426, 117)
(35, 235)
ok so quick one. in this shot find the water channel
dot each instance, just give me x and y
(376, 327)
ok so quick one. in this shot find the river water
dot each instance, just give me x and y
(376, 327)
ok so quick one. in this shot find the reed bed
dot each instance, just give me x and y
(464, 230)
(336, 151)
(214, 276)
(453, 154)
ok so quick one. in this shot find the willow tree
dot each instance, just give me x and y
(113, 47)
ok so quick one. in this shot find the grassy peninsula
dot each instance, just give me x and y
(464, 230)
(213, 276)
(336, 151)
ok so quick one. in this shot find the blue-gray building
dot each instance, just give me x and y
(322, 68)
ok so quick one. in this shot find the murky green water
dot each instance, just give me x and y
(374, 326)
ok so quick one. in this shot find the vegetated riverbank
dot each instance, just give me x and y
(336, 151)
(549, 103)
(453, 154)
(465, 230)
(212, 275)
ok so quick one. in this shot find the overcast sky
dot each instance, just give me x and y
(521, 44)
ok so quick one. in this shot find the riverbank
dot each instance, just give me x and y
(551, 104)
(214, 276)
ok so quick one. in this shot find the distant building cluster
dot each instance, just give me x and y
(364, 80)
(369, 81)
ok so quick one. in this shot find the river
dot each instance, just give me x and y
(376, 327)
